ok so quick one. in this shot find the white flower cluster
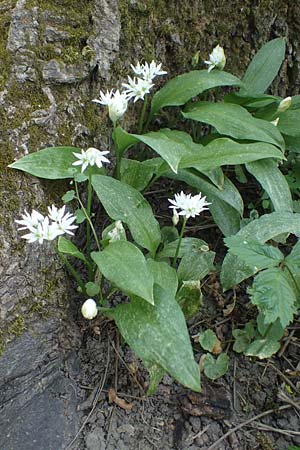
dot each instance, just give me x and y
(136, 88)
(90, 157)
(46, 228)
(189, 206)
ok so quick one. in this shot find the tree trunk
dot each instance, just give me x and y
(55, 56)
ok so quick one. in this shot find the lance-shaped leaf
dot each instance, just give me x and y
(163, 275)
(158, 335)
(234, 270)
(234, 120)
(51, 163)
(196, 265)
(270, 177)
(66, 246)
(123, 264)
(187, 246)
(123, 202)
(289, 122)
(264, 67)
(272, 293)
(182, 88)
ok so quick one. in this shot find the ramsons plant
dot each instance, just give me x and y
(158, 269)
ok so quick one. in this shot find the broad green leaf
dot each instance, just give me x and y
(158, 335)
(226, 204)
(216, 176)
(224, 151)
(92, 289)
(215, 368)
(273, 295)
(262, 229)
(171, 145)
(51, 163)
(235, 121)
(273, 332)
(190, 298)
(123, 264)
(123, 202)
(272, 180)
(66, 246)
(188, 245)
(163, 275)
(208, 340)
(289, 122)
(292, 143)
(196, 265)
(182, 88)
(264, 67)
(253, 253)
(80, 216)
(252, 101)
(135, 173)
(262, 348)
(294, 257)
(123, 140)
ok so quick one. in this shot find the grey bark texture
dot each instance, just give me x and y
(55, 56)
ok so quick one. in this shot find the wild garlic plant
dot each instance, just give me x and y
(158, 268)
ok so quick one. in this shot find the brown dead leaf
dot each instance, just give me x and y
(217, 348)
(113, 398)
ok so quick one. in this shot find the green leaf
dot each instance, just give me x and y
(262, 348)
(158, 335)
(294, 257)
(182, 88)
(190, 298)
(274, 297)
(289, 122)
(224, 151)
(262, 230)
(208, 340)
(274, 332)
(234, 120)
(163, 275)
(272, 180)
(135, 173)
(188, 245)
(123, 140)
(123, 264)
(196, 265)
(243, 337)
(69, 196)
(80, 216)
(92, 289)
(264, 67)
(66, 246)
(123, 202)
(215, 368)
(253, 253)
(156, 374)
(51, 163)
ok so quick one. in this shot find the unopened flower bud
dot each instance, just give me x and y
(275, 122)
(217, 59)
(175, 218)
(284, 104)
(89, 309)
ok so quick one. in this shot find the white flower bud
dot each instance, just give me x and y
(89, 309)
(284, 104)
(217, 59)
(175, 218)
(117, 107)
(275, 122)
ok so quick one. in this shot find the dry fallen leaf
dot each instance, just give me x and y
(217, 348)
(113, 398)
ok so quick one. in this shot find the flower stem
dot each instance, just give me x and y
(88, 224)
(179, 242)
(71, 269)
(87, 217)
(141, 121)
(118, 156)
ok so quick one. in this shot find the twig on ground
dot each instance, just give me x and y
(97, 396)
(286, 343)
(264, 427)
(200, 433)
(247, 422)
(285, 398)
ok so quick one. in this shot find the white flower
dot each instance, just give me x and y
(116, 233)
(30, 221)
(43, 231)
(190, 206)
(63, 222)
(117, 104)
(89, 309)
(217, 59)
(284, 104)
(137, 88)
(90, 157)
(148, 71)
